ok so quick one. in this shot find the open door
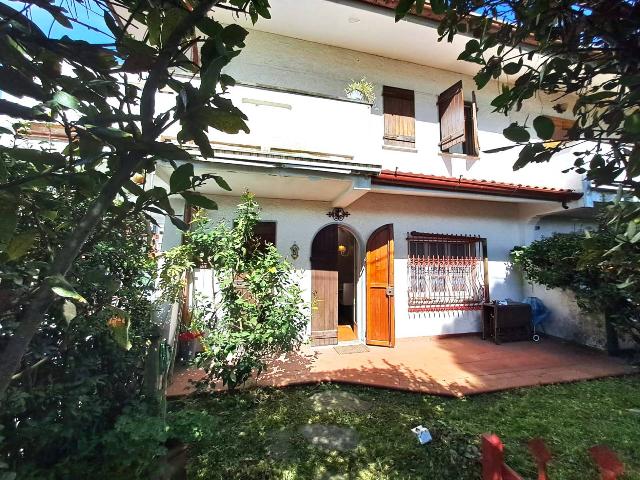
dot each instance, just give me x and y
(324, 307)
(324, 287)
(380, 305)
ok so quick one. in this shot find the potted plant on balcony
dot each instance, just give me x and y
(362, 90)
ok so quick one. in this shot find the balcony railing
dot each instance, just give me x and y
(297, 122)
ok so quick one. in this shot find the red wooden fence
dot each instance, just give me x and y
(494, 467)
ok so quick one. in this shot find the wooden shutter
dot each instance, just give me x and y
(560, 131)
(399, 117)
(471, 135)
(562, 126)
(451, 113)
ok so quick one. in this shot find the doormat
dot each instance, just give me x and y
(344, 349)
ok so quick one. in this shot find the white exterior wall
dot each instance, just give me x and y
(500, 223)
(292, 121)
(274, 60)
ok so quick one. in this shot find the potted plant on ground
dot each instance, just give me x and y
(361, 90)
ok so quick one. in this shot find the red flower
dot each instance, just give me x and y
(186, 336)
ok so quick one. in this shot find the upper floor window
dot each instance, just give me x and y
(399, 117)
(458, 122)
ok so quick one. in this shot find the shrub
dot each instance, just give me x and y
(82, 371)
(590, 266)
(258, 311)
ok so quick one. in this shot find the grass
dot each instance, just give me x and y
(237, 431)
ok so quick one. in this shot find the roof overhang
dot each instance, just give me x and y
(477, 188)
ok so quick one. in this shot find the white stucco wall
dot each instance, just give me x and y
(286, 62)
(502, 224)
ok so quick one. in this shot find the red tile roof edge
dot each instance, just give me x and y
(483, 187)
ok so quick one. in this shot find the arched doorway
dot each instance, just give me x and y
(334, 253)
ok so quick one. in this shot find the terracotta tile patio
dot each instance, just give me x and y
(451, 366)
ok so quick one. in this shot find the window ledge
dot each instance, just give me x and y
(459, 155)
(400, 149)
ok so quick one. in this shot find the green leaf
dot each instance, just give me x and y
(209, 27)
(198, 200)
(111, 24)
(172, 18)
(66, 100)
(482, 78)
(222, 183)
(153, 25)
(61, 287)
(512, 68)
(632, 123)
(544, 127)
(211, 75)
(472, 46)
(18, 84)
(21, 244)
(69, 311)
(179, 223)
(227, 122)
(181, 178)
(516, 133)
(233, 35)
(170, 151)
(499, 149)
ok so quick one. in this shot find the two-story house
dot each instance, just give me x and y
(397, 220)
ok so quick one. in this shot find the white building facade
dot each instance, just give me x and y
(398, 222)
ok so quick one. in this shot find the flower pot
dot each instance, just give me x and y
(356, 95)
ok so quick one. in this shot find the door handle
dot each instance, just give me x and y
(389, 292)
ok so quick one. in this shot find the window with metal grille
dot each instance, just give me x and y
(446, 272)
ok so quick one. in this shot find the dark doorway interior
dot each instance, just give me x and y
(334, 249)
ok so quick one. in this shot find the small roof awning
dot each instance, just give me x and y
(478, 187)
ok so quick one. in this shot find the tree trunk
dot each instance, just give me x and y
(34, 311)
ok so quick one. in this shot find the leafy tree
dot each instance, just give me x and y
(86, 364)
(104, 99)
(258, 311)
(582, 50)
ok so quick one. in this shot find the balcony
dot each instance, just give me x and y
(286, 122)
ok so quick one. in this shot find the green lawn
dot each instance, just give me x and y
(238, 432)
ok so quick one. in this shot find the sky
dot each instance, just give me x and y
(90, 15)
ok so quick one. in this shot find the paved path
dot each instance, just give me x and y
(451, 366)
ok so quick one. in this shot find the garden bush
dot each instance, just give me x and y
(258, 311)
(69, 409)
(599, 268)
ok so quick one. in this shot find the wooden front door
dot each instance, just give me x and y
(324, 287)
(380, 294)
(324, 307)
